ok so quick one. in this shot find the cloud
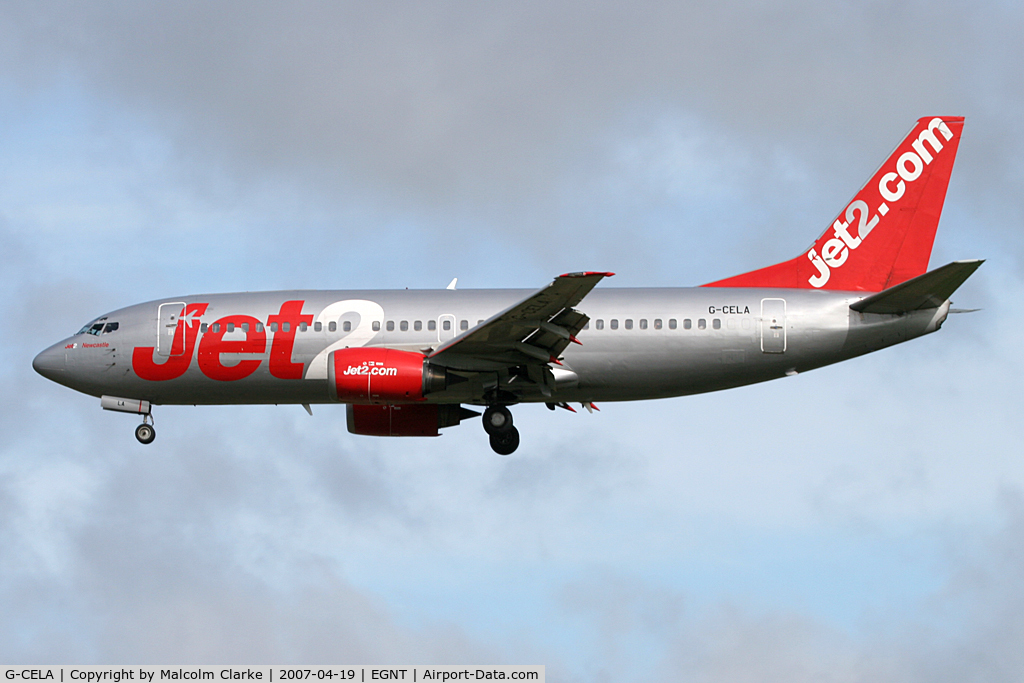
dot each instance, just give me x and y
(497, 112)
(968, 630)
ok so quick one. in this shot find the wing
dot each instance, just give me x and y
(533, 332)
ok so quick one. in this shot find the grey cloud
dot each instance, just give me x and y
(730, 645)
(504, 125)
(619, 604)
(137, 603)
(459, 103)
(969, 630)
(205, 550)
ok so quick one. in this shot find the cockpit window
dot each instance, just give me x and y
(111, 327)
(95, 327)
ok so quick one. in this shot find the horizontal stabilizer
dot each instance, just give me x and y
(930, 290)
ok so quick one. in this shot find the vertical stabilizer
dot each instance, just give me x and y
(884, 235)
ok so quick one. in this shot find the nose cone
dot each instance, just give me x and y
(51, 363)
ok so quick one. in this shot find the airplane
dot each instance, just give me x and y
(407, 363)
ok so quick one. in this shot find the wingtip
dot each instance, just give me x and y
(587, 273)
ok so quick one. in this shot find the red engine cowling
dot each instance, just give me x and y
(421, 419)
(376, 375)
(410, 419)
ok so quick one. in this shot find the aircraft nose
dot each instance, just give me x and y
(51, 363)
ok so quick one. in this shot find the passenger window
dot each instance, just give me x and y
(303, 327)
(614, 324)
(318, 327)
(404, 326)
(716, 323)
(215, 328)
(231, 327)
(479, 322)
(671, 323)
(643, 323)
(376, 325)
(431, 325)
(273, 327)
(391, 326)
(259, 327)
(702, 324)
(286, 327)
(687, 324)
(245, 327)
(464, 325)
(203, 327)
(599, 324)
(418, 325)
(332, 326)
(657, 323)
(347, 326)
(446, 325)
(629, 323)
(111, 327)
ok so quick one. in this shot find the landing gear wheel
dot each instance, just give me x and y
(145, 433)
(497, 419)
(505, 442)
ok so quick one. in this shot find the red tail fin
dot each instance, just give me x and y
(884, 236)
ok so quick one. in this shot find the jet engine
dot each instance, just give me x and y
(378, 375)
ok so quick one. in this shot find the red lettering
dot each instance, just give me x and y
(212, 345)
(184, 341)
(281, 365)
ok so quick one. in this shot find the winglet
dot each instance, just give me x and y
(451, 285)
(588, 273)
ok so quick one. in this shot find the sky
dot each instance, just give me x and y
(862, 522)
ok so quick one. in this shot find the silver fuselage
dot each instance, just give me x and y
(639, 343)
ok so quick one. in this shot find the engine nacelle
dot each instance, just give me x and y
(420, 419)
(375, 375)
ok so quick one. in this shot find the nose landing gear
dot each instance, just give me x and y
(498, 425)
(145, 432)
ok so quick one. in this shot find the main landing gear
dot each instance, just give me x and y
(498, 425)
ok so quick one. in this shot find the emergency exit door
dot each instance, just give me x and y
(773, 325)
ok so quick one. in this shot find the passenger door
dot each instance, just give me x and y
(167, 342)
